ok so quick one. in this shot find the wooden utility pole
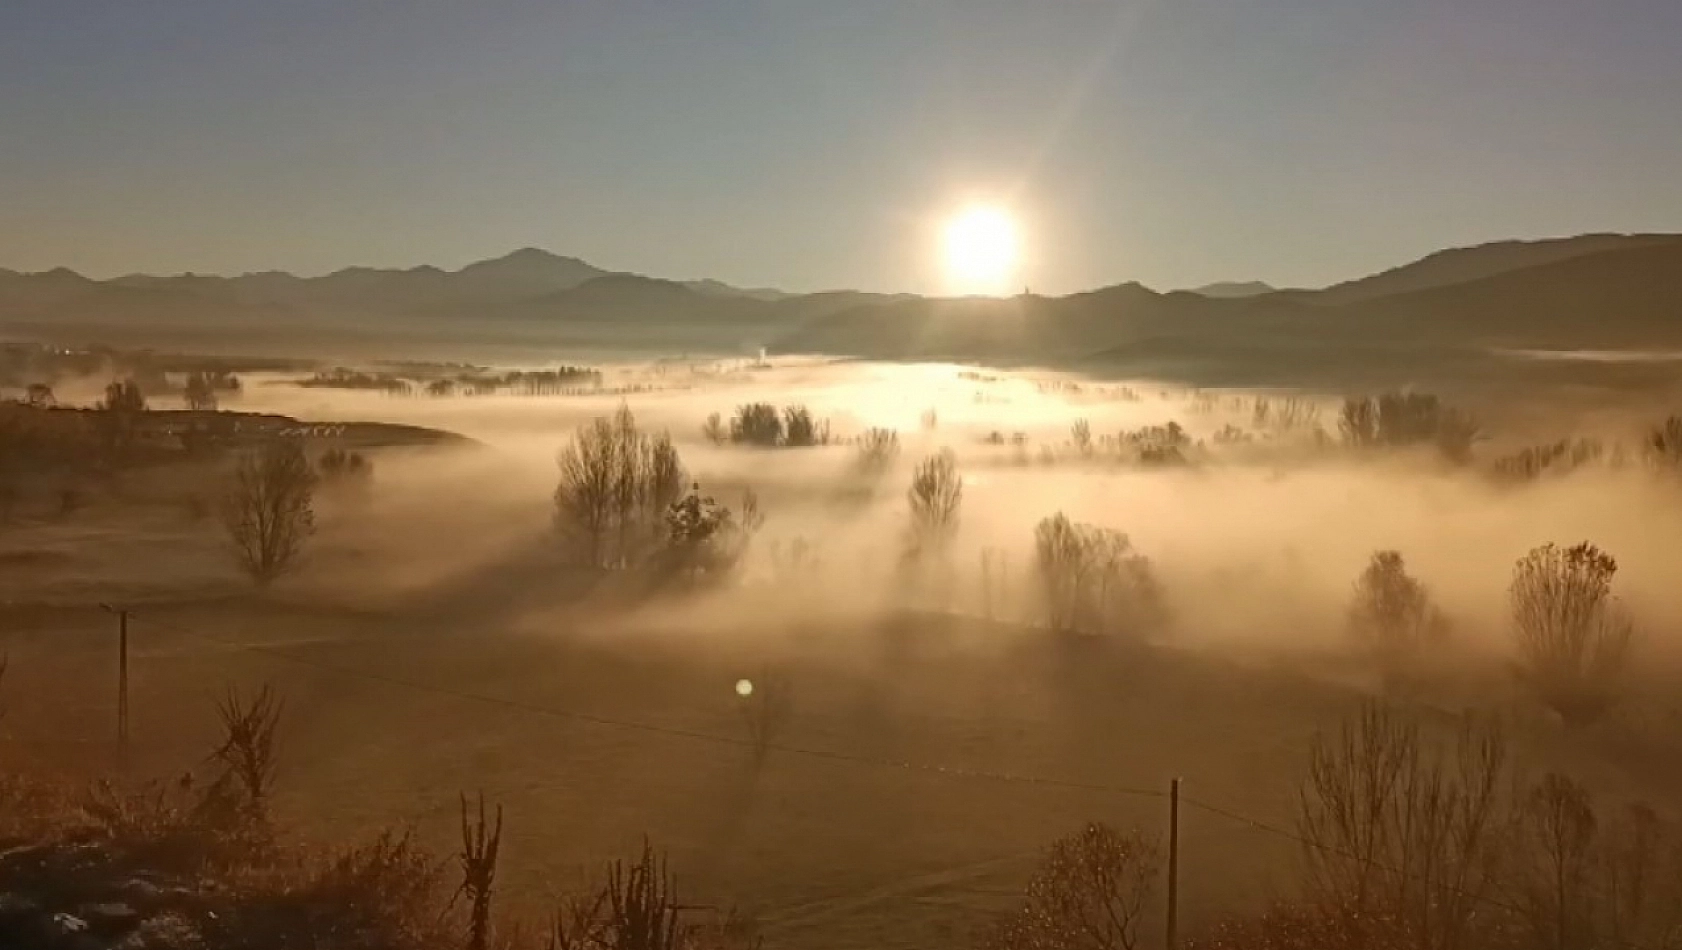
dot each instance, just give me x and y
(122, 679)
(1173, 940)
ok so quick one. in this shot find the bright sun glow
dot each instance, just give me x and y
(744, 688)
(981, 248)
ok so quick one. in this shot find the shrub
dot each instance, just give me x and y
(268, 510)
(637, 908)
(1089, 892)
(616, 485)
(1573, 635)
(1091, 579)
(1391, 617)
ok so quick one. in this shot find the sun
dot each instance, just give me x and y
(981, 249)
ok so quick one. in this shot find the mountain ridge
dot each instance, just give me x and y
(1576, 291)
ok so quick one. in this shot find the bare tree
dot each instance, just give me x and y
(713, 430)
(1392, 618)
(1402, 834)
(1080, 434)
(1090, 893)
(118, 417)
(1573, 635)
(1358, 422)
(1640, 873)
(1092, 580)
(200, 392)
(268, 509)
(936, 492)
(616, 485)
(1556, 867)
(1664, 444)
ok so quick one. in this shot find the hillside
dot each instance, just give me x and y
(1465, 264)
(1629, 298)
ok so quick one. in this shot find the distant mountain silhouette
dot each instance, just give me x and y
(1231, 288)
(716, 288)
(1596, 291)
(1617, 298)
(1460, 265)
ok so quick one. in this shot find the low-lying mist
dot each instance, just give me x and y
(1256, 541)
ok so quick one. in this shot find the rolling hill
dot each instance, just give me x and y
(1465, 264)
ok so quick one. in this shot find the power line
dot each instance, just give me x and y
(669, 731)
(822, 754)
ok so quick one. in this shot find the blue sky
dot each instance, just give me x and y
(820, 143)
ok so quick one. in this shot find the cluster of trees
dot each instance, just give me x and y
(1660, 447)
(1554, 458)
(559, 381)
(341, 469)
(341, 378)
(1415, 846)
(1407, 844)
(201, 389)
(1398, 420)
(624, 500)
(1091, 580)
(1573, 637)
(763, 425)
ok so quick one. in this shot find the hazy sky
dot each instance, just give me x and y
(818, 143)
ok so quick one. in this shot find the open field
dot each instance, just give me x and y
(437, 641)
